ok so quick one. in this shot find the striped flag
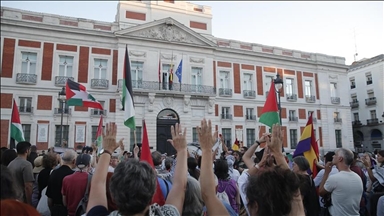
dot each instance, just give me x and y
(127, 101)
(77, 95)
(99, 133)
(16, 128)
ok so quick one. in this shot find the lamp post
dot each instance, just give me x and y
(61, 99)
(278, 86)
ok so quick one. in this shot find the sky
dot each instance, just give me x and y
(331, 27)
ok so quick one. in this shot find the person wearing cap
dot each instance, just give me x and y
(73, 193)
(38, 163)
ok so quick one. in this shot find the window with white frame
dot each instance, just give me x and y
(293, 138)
(225, 113)
(248, 84)
(250, 137)
(99, 112)
(196, 74)
(137, 73)
(25, 104)
(371, 94)
(28, 62)
(132, 137)
(194, 135)
(373, 114)
(333, 88)
(289, 86)
(356, 116)
(224, 79)
(166, 71)
(65, 66)
(268, 81)
(250, 114)
(353, 83)
(27, 132)
(227, 136)
(369, 78)
(100, 68)
(338, 139)
(94, 133)
(308, 88)
(65, 136)
(354, 98)
(292, 114)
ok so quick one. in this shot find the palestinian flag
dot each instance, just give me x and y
(269, 114)
(77, 95)
(99, 133)
(127, 101)
(16, 128)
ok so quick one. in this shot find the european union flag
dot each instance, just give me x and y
(179, 70)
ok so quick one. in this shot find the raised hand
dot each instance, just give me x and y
(206, 139)
(109, 138)
(179, 140)
(275, 143)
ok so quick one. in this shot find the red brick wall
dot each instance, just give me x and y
(216, 110)
(8, 56)
(321, 137)
(259, 75)
(236, 78)
(83, 65)
(6, 100)
(66, 47)
(112, 105)
(114, 67)
(259, 109)
(238, 111)
(289, 72)
(318, 114)
(283, 113)
(302, 114)
(198, 25)
(224, 64)
(46, 72)
(44, 102)
(317, 87)
(27, 43)
(135, 15)
(270, 69)
(4, 133)
(247, 67)
(81, 109)
(101, 51)
(300, 85)
(307, 74)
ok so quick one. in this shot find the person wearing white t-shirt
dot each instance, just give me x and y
(345, 187)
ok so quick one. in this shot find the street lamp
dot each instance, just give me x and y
(62, 98)
(278, 86)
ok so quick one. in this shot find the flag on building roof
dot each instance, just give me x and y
(127, 101)
(179, 70)
(307, 146)
(99, 133)
(16, 128)
(236, 145)
(146, 155)
(77, 95)
(269, 114)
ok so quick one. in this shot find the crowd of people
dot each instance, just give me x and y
(253, 181)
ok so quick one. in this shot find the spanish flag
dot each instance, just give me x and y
(307, 146)
(236, 145)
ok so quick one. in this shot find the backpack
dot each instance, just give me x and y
(223, 196)
(82, 207)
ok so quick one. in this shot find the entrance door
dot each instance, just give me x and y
(165, 119)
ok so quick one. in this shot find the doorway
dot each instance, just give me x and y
(165, 119)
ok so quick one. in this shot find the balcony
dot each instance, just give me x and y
(249, 93)
(356, 123)
(370, 101)
(99, 83)
(310, 99)
(65, 111)
(293, 119)
(97, 112)
(372, 121)
(353, 86)
(24, 78)
(369, 82)
(354, 104)
(25, 110)
(226, 116)
(335, 100)
(60, 81)
(291, 97)
(250, 117)
(337, 120)
(225, 92)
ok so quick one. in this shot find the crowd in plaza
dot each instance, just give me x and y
(259, 180)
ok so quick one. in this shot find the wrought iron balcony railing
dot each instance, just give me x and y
(291, 97)
(97, 112)
(310, 99)
(250, 117)
(226, 116)
(65, 111)
(61, 80)
(372, 121)
(24, 78)
(25, 110)
(249, 93)
(369, 82)
(356, 123)
(354, 104)
(370, 101)
(353, 86)
(99, 83)
(293, 119)
(225, 92)
(337, 120)
(335, 100)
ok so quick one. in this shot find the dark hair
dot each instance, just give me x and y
(8, 156)
(245, 148)
(49, 160)
(272, 190)
(302, 163)
(33, 148)
(23, 147)
(7, 184)
(329, 156)
(156, 157)
(86, 149)
(192, 165)
(168, 163)
(381, 152)
(199, 161)
(221, 169)
(132, 186)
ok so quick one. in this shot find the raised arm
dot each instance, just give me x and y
(275, 144)
(176, 195)
(207, 181)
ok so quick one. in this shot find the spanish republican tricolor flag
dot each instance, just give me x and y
(127, 101)
(307, 146)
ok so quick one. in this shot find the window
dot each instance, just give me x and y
(314, 133)
(28, 62)
(137, 74)
(353, 83)
(94, 133)
(338, 139)
(356, 116)
(369, 79)
(100, 68)
(373, 114)
(65, 66)
(225, 113)
(250, 114)
(132, 138)
(293, 138)
(333, 88)
(166, 76)
(97, 111)
(354, 98)
(268, 80)
(371, 95)
(194, 135)
(308, 88)
(250, 137)
(224, 79)
(289, 86)
(25, 105)
(292, 115)
(227, 136)
(248, 84)
(196, 75)
(65, 133)
(27, 132)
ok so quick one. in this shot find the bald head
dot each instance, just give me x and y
(69, 156)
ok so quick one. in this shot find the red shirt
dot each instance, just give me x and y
(74, 189)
